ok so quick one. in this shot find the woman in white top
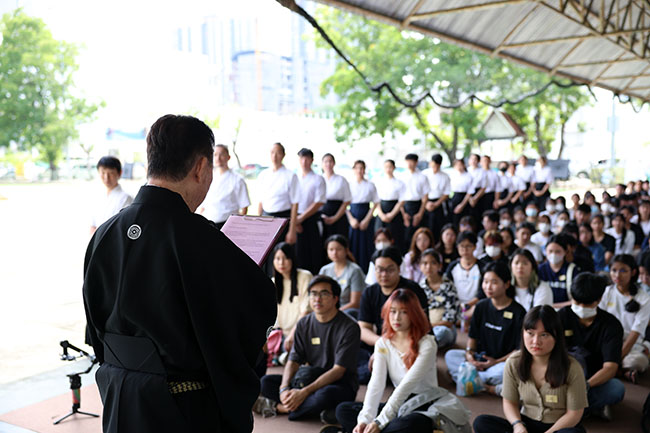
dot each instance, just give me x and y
(363, 204)
(631, 306)
(338, 198)
(407, 354)
(410, 268)
(543, 233)
(391, 192)
(643, 217)
(291, 287)
(529, 290)
(461, 187)
(543, 177)
(624, 238)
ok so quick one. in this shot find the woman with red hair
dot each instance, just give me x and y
(407, 354)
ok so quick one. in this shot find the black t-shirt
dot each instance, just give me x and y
(583, 258)
(373, 299)
(603, 340)
(448, 258)
(327, 344)
(497, 332)
(638, 234)
(609, 243)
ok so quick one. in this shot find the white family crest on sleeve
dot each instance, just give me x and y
(134, 232)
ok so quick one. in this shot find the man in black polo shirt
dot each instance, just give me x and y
(387, 266)
(597, 337)
(325, 346)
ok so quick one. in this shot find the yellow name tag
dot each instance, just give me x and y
(551, 399)
(315, 341)
(562, 277)
(382, 350)
(568, 332)
(507, 314)
(439, 299)
(343, 282)
(611, 304)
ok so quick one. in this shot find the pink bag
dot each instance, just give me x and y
(273, 345)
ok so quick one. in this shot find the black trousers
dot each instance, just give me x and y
(411, 208)
(437, 218)
(309, 245)
(328, 397)
(346, 414)
(396, 226)
(495, 424)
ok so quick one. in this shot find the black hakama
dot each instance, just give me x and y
(396, 226)
(361, 241)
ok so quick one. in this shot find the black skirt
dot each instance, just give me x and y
(396, 226)
(361, 241)
(340, 227)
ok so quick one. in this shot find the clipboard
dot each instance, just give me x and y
(254, 235)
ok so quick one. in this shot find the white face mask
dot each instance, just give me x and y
(505, 223)
(559, 207)
(555, 259)
(544, 227)
(561, 223)
(493, 250)
(583, 312)
(531, 212)
(381, 245)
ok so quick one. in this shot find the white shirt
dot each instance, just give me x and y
(535, 250)
(614, 302)
(439, 183)
(645, 225)
(227, 194)
(503, 182)
(279, 189)
(312, 190)
(543, 175)
(516, 184)
(421, 377)
(492, 181)
(416, 186)
(337, 188)
(625, 247)
(109, 205)
(363, 192)
(466, 282)
(479, 178)
(543, 296)
(525, 173)
(461, 182)
(540, 239)
(390, 189)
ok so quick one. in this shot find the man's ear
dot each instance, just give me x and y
(200, 168)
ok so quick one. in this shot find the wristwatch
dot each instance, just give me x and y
(376, 421)
(517, 422)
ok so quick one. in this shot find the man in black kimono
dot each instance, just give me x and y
(177, 314)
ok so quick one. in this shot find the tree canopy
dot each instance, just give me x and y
(413, 65)
(39, 107)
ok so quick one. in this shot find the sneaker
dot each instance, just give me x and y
(604, 413)
(265, 407)
(328, 416)
(282, 359)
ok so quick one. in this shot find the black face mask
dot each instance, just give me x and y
(503, 169)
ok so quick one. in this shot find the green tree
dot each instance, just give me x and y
(39, 107)
(413, 65)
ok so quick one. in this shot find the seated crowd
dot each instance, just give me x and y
(554, 303)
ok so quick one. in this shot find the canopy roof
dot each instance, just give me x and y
(604, 43)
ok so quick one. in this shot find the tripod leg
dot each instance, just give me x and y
(88, 413)
(63, 417)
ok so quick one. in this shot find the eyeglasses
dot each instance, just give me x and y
(321, 295)
(389, 270)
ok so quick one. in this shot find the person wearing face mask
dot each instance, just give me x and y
(557, 272)
(493, 251)
(595, 338)
(383, 239)
(531, 213)
(505, 218)
(543, 233)
(524, 231)
(543, 178)
(625, 301)
(505, 190)
(561, 220)
(550, 210)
